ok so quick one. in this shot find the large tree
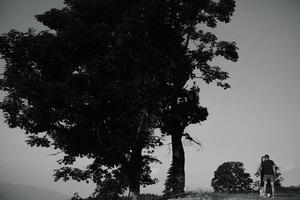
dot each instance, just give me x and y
(87, 88)
(106, 74)
(193, 60)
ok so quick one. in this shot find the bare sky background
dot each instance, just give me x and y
(260, 114)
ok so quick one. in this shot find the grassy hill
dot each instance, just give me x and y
(246, 196)
(10, 191)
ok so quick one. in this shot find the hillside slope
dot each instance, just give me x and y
(10, 191)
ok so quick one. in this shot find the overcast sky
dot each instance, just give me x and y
(260, 114)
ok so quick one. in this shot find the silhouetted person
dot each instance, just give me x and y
(261, 174)
(269, 173)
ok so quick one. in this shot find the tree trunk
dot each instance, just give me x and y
(135, 171)
(134, 186)
(178, 162)
(136, 162)
(133, 196)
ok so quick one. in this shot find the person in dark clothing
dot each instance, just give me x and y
(269, 173)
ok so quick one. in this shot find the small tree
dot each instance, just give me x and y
(231, 177)
(278, 177)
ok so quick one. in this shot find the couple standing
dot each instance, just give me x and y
(267, 172)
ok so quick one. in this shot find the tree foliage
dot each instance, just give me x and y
(278, 178)
(86, 88)
(231, 177)
(105, 75)
(200, 48)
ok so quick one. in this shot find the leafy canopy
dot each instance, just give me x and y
(231, 177)
(99, 80)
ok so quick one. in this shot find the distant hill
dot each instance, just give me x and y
(10, 191)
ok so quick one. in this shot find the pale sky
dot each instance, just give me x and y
(260, 114)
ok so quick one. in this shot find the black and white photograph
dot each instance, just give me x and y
(149, 99)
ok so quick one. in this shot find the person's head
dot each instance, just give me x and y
(267, 157)
(262, 159)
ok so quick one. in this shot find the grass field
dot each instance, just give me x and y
(217, 196)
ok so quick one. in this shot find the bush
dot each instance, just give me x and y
(231, 177)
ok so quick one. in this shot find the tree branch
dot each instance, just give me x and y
(188, 137)
(141, 121)
(54, 154)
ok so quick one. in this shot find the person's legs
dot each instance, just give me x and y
(272, 187)
(261, 188)
(265, 187)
